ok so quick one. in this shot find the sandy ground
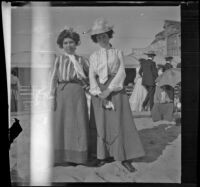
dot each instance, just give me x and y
(162, 163)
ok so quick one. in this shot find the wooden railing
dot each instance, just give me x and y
(26, 93)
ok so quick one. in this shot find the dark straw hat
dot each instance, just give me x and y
(168, 58)
(150, 53)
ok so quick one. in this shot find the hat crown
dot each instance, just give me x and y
(99, 26)
(100, 23)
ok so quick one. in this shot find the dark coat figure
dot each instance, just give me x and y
(149, 73)
(168, 64)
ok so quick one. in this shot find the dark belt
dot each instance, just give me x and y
(66, 82)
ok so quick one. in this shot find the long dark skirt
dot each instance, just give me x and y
(162, 111)
(71, 124)
(16, 102)
(117, 135)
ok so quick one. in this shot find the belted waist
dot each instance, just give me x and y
(67, 82)
(71, 81)
(110, 77)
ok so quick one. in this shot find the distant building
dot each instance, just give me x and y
(167, 42)
(173, 37)
(159, 44)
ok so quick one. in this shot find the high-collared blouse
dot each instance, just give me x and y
(64, 70)
(105, 63)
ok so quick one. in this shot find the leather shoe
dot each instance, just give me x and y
(93, 163)
(101, 163)
(128, 166)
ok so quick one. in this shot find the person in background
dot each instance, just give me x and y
(139, 92)
(70, 117)
(168, 64)
(16, 102)
(178, 65)
(117, 135)
(148, 72)
(163, 101)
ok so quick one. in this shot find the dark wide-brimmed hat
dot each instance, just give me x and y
(150, 53)
(100, 26)
(168, 58)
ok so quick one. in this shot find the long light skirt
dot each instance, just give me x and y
(138, 96)
(117, 135)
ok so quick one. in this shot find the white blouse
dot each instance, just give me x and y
(104, 63)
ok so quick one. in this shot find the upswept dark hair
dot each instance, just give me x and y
(68, 34)
(109, 33)
(14, 71)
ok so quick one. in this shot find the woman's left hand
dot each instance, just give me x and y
(105, 94)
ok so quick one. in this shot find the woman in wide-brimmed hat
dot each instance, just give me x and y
(117, 135)
(70, 117)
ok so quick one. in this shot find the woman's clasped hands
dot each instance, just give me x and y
(105, 94)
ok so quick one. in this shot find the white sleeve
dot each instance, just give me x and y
(118, 81)
(94, 88)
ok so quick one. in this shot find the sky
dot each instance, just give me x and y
(134, 27)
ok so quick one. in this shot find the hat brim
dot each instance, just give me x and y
(168, 58)
(150, 54)
(100, 31)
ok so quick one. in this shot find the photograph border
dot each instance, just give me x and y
(190, 92)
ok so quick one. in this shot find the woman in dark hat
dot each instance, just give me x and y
(168, 64)
(117, 135)
(70, 118)
(150, 54)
